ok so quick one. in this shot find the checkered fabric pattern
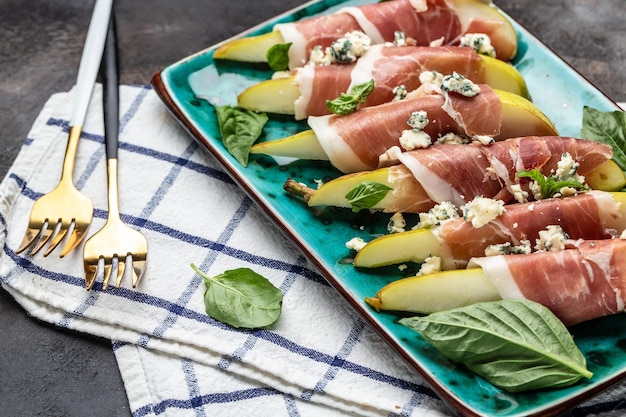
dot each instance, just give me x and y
(319, 359)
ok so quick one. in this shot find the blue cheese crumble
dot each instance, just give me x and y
(430, 265)
(348, 49)
(399, 92)
(416, 137)
(453, 139)
(443, 211)
(480, 42)
(320, 56)
(396, 223)
(356, 243)
(459, 84)
(482, 210)
(399, 38)
(509, 249)
(552, 239)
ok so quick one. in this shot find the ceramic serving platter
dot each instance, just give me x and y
(188, 88)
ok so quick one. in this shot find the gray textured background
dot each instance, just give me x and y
(49, 372)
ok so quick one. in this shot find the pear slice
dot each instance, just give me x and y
(520, 117)
(303, 143)
(249, 49)
(503, 76)
(607, 177)
(410, 246)
(435, 292)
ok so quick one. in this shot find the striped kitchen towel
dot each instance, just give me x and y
(318, 359)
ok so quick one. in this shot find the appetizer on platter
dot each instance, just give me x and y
(456, 240)
(359, 141)
(425, 21)
(395, 70)
(584, 281)
(458, 173)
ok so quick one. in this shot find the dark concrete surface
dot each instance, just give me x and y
(48, 372)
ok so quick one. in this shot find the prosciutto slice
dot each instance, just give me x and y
(389, 67)
(358, 141)
(590, 215)
(457, 173)
(423, 20)
(577, 284)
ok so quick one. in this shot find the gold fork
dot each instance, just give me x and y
(65, 211)
(116, 240)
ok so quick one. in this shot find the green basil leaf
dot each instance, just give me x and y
(366, 195)
(241, 298)
(239, 128)
(608, 128)
(278, 56)
(550, 185)
(517, 345)
(348, 103)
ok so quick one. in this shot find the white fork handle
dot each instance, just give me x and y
(90, 60)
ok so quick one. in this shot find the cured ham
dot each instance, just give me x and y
(457, 173)
(389, 67)
(425, 21)
(577, 284)
(592, 215)
(358, 141)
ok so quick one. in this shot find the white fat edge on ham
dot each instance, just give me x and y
(297, 51)
(366, 26)
(304, 81)
(498, 273)
(437, 188)
(339, 153)
(363, 69)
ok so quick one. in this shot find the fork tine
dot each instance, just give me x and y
(139, 267)
(107, 275)
(29, 238)
(121, 269)
(75, 238)
(58, 238)
(91, 271)
(45, 236)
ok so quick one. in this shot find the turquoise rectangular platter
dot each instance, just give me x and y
(186, 88)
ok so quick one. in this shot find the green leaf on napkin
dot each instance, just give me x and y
(517, 345)
(241, 298)
(239, 128)
(608, 128)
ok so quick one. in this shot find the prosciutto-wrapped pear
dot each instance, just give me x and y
(425, 21)
(306, 91)
(458, 173)
(359, 141)
(580, 283)
(592, 215)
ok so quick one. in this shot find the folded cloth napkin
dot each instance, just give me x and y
(319, 359)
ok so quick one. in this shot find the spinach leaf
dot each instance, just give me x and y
(348, 103)
(551, 184)
(608, 128)
(366, 194)
(278, 56)
(242, 298)
(239, 128)
(517, 345)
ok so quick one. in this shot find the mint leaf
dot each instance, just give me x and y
(550, 185)
(517, 345)
(366, 195)
(239, 128)
(608, 128)
(348, 103)
(241, 298)
(278, 56)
